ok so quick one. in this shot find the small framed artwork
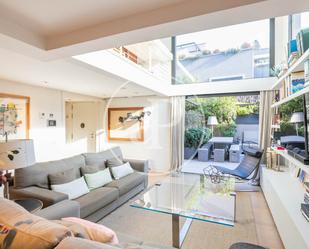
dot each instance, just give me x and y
(126, 124)
(14, 116)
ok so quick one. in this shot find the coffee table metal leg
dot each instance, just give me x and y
(179, 235)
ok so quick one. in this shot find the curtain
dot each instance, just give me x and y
(177, 131)
(265, 120)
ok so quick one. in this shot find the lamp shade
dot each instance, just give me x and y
(16, 154)
(297, 117)
(212, 120)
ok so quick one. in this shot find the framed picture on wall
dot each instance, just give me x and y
(126, 124)
(14, 116)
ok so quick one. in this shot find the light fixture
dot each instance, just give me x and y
(14, 154)
(297, 117)
(212, 121)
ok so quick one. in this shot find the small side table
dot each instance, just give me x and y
(31, 205)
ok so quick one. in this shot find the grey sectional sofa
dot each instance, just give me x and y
(32, 182)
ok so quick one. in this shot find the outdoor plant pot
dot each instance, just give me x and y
(189, 152)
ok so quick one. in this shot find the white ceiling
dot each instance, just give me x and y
(67, 75)
(61, 16)
(38, 37)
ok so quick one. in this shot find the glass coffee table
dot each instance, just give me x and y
(193, 197)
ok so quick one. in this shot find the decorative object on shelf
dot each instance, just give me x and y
(213, 174)
(126, 123)
(278, 70)
(212, 121)
(297, 117)
(14, 154)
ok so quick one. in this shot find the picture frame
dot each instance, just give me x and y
(126, 124)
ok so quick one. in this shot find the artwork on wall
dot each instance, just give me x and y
(126, 124)
(14, 116)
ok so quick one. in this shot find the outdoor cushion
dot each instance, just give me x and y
(20, 229)
(96, 200)
(128, 182)
(62, 177)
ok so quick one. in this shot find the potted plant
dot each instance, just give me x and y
(194, 138)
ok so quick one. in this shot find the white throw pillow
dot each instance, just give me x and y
(122, 170)
(98, 179)
(73, 189)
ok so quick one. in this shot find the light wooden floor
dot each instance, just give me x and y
(266, 230)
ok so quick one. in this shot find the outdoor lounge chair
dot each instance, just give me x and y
(249, 164)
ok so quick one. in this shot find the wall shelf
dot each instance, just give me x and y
(292, 160)
(296, 67)
(292, 96)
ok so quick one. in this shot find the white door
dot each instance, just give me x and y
(85, 123)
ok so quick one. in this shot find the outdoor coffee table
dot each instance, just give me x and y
(193, 197)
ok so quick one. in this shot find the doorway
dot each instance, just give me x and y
(82, 123)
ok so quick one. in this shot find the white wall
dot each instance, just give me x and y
(49, 142)
(156, 146)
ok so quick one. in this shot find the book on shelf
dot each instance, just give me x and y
(302, 39)
(306, 185)
(304, 208)
(306, 72)
(306, 198)
(297, 81)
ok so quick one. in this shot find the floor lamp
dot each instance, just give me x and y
(14, 154)
(297, 117)
(212, 121)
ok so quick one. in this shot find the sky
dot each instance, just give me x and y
(230, 36)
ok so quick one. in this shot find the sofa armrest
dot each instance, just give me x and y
(139, 165)
(60, 210)
(48, 197)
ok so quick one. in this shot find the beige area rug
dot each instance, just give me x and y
(156, 227)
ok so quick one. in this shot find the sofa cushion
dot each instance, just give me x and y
(121, 171)
(27, 231)
(37, 174)
(128, 182)
(100, 157)
(77, 243)
(90, 169)
(96, 232)
(73, 189)
(98, 179)
(62, 177)
(48, 197)
(96, 199)
(114, 162)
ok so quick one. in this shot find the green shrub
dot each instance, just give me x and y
(225, 129)
(194, 137)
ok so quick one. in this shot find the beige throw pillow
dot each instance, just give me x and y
(20, 229)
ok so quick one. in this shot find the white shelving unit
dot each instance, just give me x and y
(296, 67)
(284, 194)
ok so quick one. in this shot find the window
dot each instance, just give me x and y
(228, 53)
(299, 22)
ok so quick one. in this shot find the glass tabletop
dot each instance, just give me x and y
(192, 196)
